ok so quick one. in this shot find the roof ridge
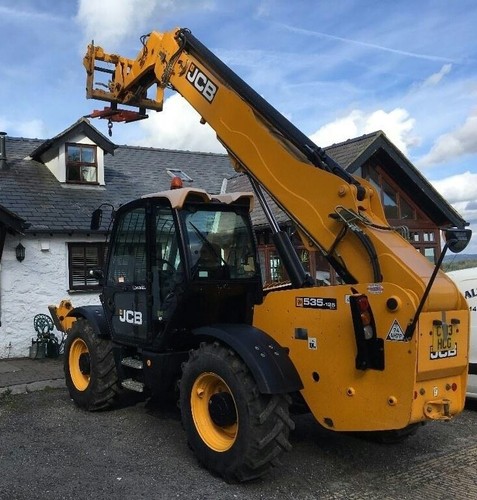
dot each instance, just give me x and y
(376, 134)
(149, 148)
(13, 138)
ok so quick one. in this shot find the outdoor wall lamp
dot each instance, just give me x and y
(20, 252)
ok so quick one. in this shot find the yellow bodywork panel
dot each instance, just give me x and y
(60, 317)
(322, 346)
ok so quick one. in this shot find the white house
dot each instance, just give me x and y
(48, 191)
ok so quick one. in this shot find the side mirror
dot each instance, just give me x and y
(96, 219)
(457, 239)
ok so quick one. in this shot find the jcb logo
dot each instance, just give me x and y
(449, 353)
(132, 317)
(201, 82)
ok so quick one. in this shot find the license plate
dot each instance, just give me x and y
(442, 337)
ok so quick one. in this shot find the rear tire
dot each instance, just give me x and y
(393, 436)
(234, 430)
(90, 371)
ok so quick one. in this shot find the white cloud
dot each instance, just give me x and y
(178, 127)
(435, 78)
(4, 124)
(397, 125)
(462, 141)
(361, 43)
(109, 21)
(32, 128)
(461, 192)
(25, 14)
(458, 188)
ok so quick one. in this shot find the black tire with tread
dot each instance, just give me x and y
(103, 386)
(393, 436)
(264, 423)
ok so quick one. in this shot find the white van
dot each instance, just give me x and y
(466, 281)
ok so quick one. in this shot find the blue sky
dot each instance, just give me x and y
(336, 68)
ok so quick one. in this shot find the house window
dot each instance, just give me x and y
(426, 241)
(82, 258)
(81, 163)
(430, 254)
(394, 203)
(276, 268)
(271, 265)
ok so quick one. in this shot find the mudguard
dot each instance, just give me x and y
(96, 318)
(268, 362)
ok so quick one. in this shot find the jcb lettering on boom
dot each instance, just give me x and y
(201, 82)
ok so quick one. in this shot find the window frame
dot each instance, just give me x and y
(101, 259)
(73, 165)
(375, 174)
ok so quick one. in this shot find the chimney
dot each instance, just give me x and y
(3, 151)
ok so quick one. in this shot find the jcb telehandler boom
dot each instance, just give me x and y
(383, 352)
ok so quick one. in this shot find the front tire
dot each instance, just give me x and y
(234, 430)
(90, 371)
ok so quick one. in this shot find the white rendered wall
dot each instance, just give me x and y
(29, 287)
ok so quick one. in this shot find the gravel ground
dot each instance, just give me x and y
(50, 449)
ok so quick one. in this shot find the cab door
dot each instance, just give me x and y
(168, 277)
(126, 288)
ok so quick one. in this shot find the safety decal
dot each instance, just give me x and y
(315, 303)
(312, 343)
(395, 332)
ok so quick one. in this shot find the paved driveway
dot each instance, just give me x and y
(50, 449)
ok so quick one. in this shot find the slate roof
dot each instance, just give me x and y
(29, 191)
(348, 153)
(32, 192)
(240, 182)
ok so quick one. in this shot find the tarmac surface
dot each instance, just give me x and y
(52, 449)
(24, 375)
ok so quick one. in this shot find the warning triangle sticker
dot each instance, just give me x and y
(395, 332)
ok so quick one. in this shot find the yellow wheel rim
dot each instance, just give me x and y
(207, 388)
(79, 377)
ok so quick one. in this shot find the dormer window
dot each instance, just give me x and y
(81, 163)
(76, 156)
